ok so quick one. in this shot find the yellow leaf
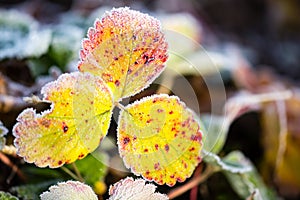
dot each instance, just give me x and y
(159, 139)
(127, 49)
(282, 164)
(74, 126)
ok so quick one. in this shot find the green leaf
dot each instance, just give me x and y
(215, 129)
(21, 36)
(248, 182)
(31, 191)
(69, 190)
(39, 66)
(7, 196)
(233, 162)
(3, 132)
(37, 175)
(93, 167)
(66, 42)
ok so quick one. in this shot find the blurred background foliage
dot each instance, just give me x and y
(255, 45)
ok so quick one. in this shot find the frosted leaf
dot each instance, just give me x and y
(130, 189)
(69, 190)
(127, 49)
(75, 125)
(159, 138)
(3, 132)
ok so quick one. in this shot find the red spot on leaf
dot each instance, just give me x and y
(126, 140)
(145, 150)
(171, 112)
(163, 58)
(156, 166)
(145, 57)
(180, 179)
(107, 76)
(167, 148)
(192, 149)
(160, 110)
(81, 156)
(68, 161)
(65, 128)
(129, 71)
(196, 138)
(149, 120)
(149, 60)
(46, 122)
(117, 83)
(59, 162)
(199, 158)
(185, 165)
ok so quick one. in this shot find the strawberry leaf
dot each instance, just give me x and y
(127, 49)
(134, 190)
(159, 139)
(249, 182)
(69, 190)
(3, 132)
(7, 196)
(21, 37)
(77, 122)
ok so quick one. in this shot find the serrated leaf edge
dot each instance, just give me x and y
(144, 99)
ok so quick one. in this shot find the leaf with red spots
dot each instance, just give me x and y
(159, 139)
(134, 190)
(77, 121)
(127, 49)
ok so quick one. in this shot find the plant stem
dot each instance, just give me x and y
(120, 106)
(194, 190)
(77, 172)
(70, 173)
(194, 182)
(283, 133)
(14, 167)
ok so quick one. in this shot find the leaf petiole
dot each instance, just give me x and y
(119, 105)
(70, 173)
(77, 172)
(194, 182)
